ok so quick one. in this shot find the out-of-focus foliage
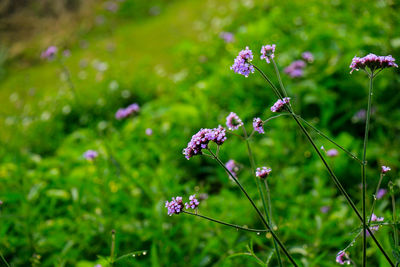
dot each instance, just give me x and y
(168, 57)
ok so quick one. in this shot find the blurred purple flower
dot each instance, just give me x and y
(385, 169)
(175, 206)
(258, 125)
(228, 37)
(126, 112)
(381, 193)
(90, 155)
(325, 209)
(66, 53)
(233, 122)
(263, 172)
(296, 69)
(373, 62)
(232, 167)
(332, 152)
(268, 52)
(374, 218)
(342, 258)
(111, 6)
(149, 131)
(242, 64)
(49, 53)
(308, 56)
(193, 203)
(280, 104)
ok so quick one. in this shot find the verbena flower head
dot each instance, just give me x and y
(332, 152)
(258, 125)
(296, 69)
(373, 62)
(263, 172)
(268, 52)
(233, 122)
(149, 131)
(280, 104)
(232, 167)
(193, 203)
(126, 112)
(90, 155)
(175, 206)
(201, 139)
(308, 56)
(49, 53)
(342, 258)
(375, 218)
(242, 64)
(381, 193)
(385, 169)
(227, 37)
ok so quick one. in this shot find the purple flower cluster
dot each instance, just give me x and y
(227, 37)
(149, 131)
(332, 153)
(232, 167)
(373, 62)
(296, 69)
(90, 155)
(193, 203)
(242, 63)
(267, 52)
(49, 53)
(258, 125)
(233, 122)
(342, 258)
(263, 172)
(201, 139)
(308, 56)
(175, 206)
(385, 169)
(126, 112)
(375, 218)
(279, 104)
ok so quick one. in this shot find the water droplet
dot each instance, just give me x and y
(144, 253)
(237, 229)
(258, 233)
(133, 255)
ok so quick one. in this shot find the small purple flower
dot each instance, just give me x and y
(232, 167)
(227, 37)
(381, 193)
(242, 64)
(201, 139)
(49, 53)
(308, 56)
(373, 62)
(375, 218)
(332, 153)
(149, 131)
(325, 209)
(1, 202)
(385, 169)
(126, 112)
(280, 104)
(66, 53)
(193, 203)
(267, 52)
(342, 258)
(175, 206)
(233, 122)
(258, 125)
(90, 155)
(263, 172)
(296, 69)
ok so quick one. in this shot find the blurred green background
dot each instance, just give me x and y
(168, 56)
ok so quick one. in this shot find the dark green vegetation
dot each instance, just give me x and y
(60, 209)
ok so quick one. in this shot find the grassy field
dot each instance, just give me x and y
(60, 209)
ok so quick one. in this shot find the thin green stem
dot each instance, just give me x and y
(69, 81)
(227, 224)
(279, 77)
(395, 234)
(278, 94)
(256, 209)
(112, 247)
(364, 169)
(268, 198)
(374, 201)
(330, 140)
(2, 257)
(260, 192)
